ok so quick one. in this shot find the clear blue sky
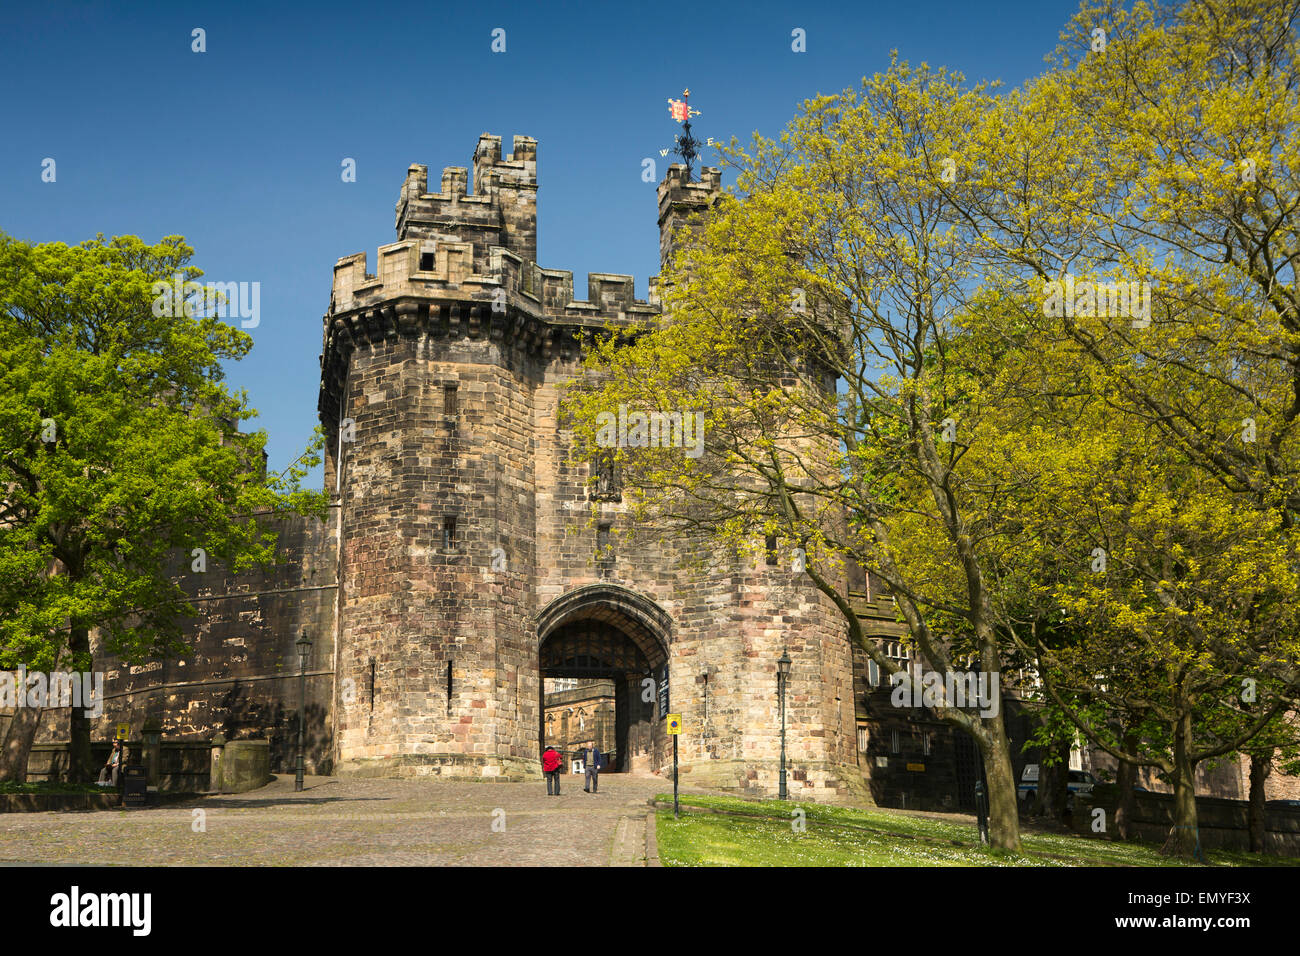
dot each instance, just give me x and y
(239, 148)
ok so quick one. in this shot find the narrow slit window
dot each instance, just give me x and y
(894, 742)
(449, 400)
(448, 533)
(449, 687)
(770, 544)
(604, 549)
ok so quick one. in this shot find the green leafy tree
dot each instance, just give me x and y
(1159, 155)
(119, 449)
(838, 260)
(1147, 597)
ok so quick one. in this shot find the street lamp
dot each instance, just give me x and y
(304, 647)
(782, 674)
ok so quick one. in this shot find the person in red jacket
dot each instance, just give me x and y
(551, 767)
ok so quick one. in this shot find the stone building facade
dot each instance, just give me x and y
(460, 565)
(469, 563)
(585, 711)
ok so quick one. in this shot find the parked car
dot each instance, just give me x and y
(1079, 781)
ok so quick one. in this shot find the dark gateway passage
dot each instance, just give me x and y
(599, 684)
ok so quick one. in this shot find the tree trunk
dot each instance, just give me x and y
(1126, 800)
(1004, 817)
(19, 737)
(79, 762)
(1054, 780)
(1183, 839)
(1260, 765)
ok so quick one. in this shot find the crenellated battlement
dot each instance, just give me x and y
(443, 270)
(501, 210)
(480, 246)
(675, 183)
(520, 169)
(430, 287)
(681, 202)
(464, 265)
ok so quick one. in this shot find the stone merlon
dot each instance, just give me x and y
(458, 246)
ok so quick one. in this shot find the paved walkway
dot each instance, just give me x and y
(355, 822)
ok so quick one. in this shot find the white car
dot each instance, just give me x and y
(1080, 781)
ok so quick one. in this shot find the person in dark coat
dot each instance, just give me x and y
(551, 767)
(592, 760)
(112, 771)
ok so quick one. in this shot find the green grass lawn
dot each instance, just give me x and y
(844, 836)
(41, 786)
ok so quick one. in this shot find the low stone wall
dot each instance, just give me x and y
(820, 781)
(184, 765)
(1222, 822)
(245, 765)
(108, 800)
(38, 802)
(461, 767)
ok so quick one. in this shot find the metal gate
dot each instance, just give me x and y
(969, 770)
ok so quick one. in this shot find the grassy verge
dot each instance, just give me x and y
(760, 833)
(45, 787)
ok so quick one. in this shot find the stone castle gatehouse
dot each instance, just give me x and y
(459, 569)
(460, 566)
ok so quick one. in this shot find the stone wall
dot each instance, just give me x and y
(239, 676)
(451, 634)
(184, 767)
(730, 621)
(1226, 777)
(427, 493)
(1221, 823)
(580, 714)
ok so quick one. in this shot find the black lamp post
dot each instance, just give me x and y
(782, 673)
(304, 647)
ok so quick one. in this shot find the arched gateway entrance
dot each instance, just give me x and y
(597, 648)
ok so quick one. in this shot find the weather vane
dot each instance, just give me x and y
(687, 145)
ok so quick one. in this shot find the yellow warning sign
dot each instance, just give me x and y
(674, 723)
(123, 731)
(916, 767)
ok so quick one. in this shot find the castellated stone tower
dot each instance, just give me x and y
(468, 568)
(683, 203)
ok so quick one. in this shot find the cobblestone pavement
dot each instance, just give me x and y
(355, 822)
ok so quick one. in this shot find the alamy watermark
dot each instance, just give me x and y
(129, 910)
(221, 300)
(651, 430)
(1069, 298)
(58, 689)
(953, 689)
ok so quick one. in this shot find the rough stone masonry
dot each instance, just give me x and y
(459, 565)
